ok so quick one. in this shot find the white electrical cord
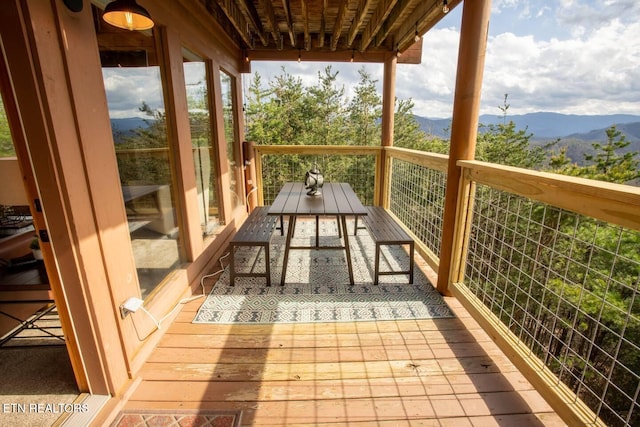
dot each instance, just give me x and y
(158, 323)
(195, 297)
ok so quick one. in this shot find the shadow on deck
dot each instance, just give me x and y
(436, 372)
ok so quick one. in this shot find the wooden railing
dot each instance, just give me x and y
(545, 263)
(550, 266)
(359, 166)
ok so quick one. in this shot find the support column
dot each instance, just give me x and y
(388, 110)
(464, 129)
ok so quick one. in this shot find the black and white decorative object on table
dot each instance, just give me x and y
(313, 181)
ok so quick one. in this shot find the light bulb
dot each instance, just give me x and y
(128, 17)
(445, 7)
(417, 37)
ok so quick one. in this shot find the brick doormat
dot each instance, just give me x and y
(178, 418)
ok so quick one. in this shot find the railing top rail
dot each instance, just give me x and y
(317, 149)
(422, 158)
(615, 203)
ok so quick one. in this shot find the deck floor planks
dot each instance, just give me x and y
(437, 372)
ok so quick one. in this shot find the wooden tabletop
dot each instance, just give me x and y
(336, 199)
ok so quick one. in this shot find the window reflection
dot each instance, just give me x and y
(204, 155)
(133, 85)
(233, 157)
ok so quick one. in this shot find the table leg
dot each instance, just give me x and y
(287, 247)
(317, 231)
(343, 221)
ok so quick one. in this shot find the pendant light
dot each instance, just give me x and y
(127, 14)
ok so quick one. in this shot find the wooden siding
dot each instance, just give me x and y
(418, 372)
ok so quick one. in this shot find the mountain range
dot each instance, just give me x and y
(550, 126)
(544, 127)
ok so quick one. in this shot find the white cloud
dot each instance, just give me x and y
(127, 88)
(573, 56)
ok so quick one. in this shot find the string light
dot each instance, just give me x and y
(417, 37)
(299, 56)
(445, 6)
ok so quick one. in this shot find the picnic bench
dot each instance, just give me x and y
(385, 230)
(255, 231)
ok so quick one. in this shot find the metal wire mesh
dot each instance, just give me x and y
(417, 199)
(357, 170)
(567, 286)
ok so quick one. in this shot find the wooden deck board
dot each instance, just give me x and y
(441, 372)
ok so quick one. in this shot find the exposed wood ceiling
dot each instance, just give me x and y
(332, 30)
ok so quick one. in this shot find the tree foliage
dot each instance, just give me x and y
(6, 142)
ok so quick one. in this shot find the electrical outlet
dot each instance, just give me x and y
(131, 305)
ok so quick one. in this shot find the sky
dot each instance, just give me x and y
(564, 56)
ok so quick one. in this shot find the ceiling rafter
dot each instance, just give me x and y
(250, 14)
(427, 15)
(401, 12)
(359, 20)
(289, 23)
(377, 20)
(305, 24)
(323, 23)
(326, 29)
(270, 17)
(337, 29)
(237, 19)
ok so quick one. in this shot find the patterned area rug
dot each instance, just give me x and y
(317, 288)
(177, 418)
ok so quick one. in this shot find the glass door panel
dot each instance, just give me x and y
(133, 84)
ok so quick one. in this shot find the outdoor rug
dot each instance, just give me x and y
(177, 418)
(317, 288)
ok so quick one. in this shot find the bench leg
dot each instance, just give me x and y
(377, 265)
(411, 250)
(343, 220)
(267, 262)
(287, 248)
(232, 268)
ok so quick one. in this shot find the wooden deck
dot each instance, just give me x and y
(444, 372)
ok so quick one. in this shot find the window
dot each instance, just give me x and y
(233, 156)
(204, 152)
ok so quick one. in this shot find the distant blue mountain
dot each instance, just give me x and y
(123, 128)
(550, 125)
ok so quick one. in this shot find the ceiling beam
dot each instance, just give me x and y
(305, 24)
(361, 15)
(267, 6)
(377, 19)
(401, 12)
(250, 14)
(324, 55)
(287, 16)
(337, 29)
(237, 19)
(323, 20)
(429, 14)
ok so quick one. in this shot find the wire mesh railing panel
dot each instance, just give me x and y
(356, 169)
(567, 286)
(417, 199)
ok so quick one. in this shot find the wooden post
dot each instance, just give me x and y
(464, 130)
(388, 110)
(248, 159)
